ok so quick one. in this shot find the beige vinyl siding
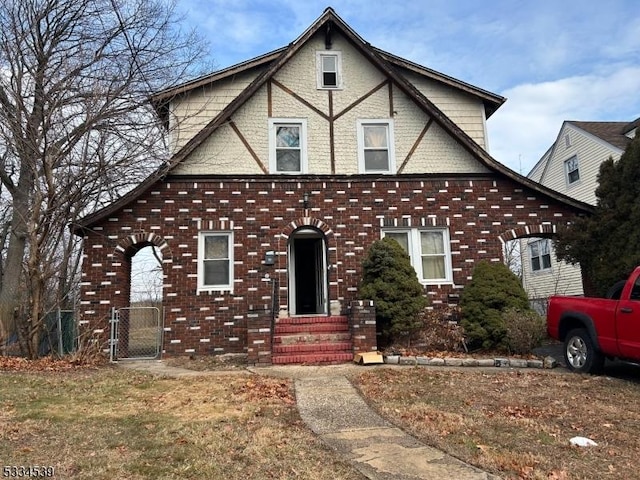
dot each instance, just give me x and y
(591, 152)
(538, 170)
(561, 279)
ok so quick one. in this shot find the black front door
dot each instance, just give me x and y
(307, 280)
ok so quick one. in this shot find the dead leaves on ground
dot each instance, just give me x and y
(44, 364)
(259, 389)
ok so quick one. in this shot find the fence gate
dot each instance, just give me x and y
(136, 333)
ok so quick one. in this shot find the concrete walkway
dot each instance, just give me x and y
(333, 410)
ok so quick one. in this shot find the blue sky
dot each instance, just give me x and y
(553, 60)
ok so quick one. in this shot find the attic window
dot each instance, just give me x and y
(329, 69)
(567, 141)
(572, 170)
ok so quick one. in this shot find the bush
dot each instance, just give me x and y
(525, 330)
(391, 282)
(493, 290)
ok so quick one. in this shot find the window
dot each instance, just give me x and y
(540, 251)
(215, 261)
(375, 146)
(329, 68)
(287, 145)
(571, 170)
(428, 250)
(567, 141)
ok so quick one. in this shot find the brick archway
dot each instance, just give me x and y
(131, 244)
(541, 230)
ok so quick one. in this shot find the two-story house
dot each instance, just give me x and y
(570, 166)
(285, 169)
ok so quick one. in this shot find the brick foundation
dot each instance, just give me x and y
(362, 316)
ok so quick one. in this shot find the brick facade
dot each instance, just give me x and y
(262, 211)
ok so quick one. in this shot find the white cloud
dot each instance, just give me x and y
(526, 126)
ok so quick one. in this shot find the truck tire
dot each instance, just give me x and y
(580, 354)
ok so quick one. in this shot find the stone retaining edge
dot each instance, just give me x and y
(504, 362)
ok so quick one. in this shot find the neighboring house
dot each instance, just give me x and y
(570, 166)
(285, 169)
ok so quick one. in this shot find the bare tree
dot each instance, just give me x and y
(76, 130)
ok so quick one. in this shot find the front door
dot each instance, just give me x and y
(307, 273)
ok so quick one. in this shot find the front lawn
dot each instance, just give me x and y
(516, 424)
(119, 424)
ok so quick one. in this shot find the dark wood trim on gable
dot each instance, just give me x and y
(391, 109)
(299, 98)
(415, 145)
(361, 99)
(247, 146)
(332, 149)
(269, 100)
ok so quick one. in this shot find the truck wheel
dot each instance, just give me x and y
(580, 353)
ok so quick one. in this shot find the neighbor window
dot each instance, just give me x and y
(375, 146)
(571, 169)
(329, 66)
(540, 251)
(428, 250)
(215, 261)
(287, 145)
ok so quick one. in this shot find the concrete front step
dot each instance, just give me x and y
(336, 347)
(312, 358)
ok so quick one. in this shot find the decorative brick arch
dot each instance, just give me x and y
(130, 245)
(543, 230)
(308, 222)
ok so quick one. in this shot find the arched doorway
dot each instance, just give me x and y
(307, 272)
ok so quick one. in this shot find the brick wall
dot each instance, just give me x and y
(262, 212)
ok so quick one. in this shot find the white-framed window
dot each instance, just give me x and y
(287, 145)
(429, 250)
(376, 152)
(540, 253)
(572, 170)
(329, 69)
(215, 260)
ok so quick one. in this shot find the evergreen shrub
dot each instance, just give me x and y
(391, 282)
(492, 290)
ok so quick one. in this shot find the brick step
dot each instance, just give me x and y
(312, 358)
(310, 328)
(337, 347)
(311, 338)
(311, 320)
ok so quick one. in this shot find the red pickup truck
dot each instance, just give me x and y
(593, 329)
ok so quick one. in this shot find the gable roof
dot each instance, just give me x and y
(385, 62)
(613, 133)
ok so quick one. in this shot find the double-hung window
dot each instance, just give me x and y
(572, 170)
(329, 69)
(540, 251)
(215, 261)
(287, 145)
(376, 146)
(429, 251)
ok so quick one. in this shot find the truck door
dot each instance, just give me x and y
(628, 322)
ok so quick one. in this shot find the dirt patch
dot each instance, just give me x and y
(212, 362)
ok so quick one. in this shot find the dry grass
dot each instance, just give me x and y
(121, 424)
(516, 424)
